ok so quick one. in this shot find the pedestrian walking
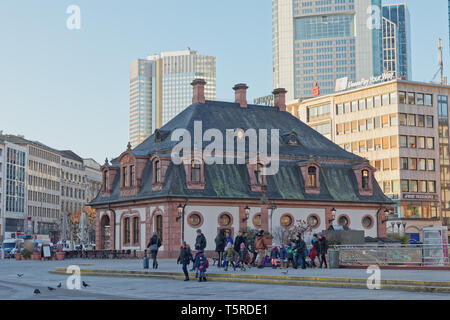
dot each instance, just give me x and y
(323, 249)
(185, 259)
(243, 257)
(314, 250)
(200, 240)
(290, 255)
(300, 247)
(229, 238)
(154, 245)
(202, 266)
(237, 241)
(251, 248)
(283, 255)
(220, 246)
(260, 247)
(230, 255)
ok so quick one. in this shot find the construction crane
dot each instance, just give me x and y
(441, 64)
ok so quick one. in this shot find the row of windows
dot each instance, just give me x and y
(73, 177)
(383, 122)
(43, 197)
(73, 193)
(43, 183)
(368, 103)
(14, 156)
(127, 230)
(68, 206)
(43, 212)
(73, 165)
(15, 204)
(44, 154)
(15, 172)
(416, 186)
(420, 99)
(43, 168)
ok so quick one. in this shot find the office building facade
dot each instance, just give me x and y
(160, 88)
(13, 196)
(401, 127)
(320, 41)
(397, 40)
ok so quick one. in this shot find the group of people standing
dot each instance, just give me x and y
(245, 252)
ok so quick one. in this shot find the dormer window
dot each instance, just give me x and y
(365, 180)
(124, 176)
(132, 176)
(257, 178)
(310, 172)
(195, 171)
(292, 140)
(364, 174)
(312, 177)
(157, 171)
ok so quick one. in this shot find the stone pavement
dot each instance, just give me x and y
(36, 275)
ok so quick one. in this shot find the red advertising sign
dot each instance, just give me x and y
(315, 90)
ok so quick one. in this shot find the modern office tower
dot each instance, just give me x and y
(401, 127)
(397, 40)
(13, 197)
(160, 88)
(321, 41)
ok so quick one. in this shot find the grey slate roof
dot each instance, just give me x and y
(337, 180)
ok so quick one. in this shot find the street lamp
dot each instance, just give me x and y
(247, 213)
(333, 215)
(386, 212)
(181, 212)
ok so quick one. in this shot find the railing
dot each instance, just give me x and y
(387, 254)
(101, 254)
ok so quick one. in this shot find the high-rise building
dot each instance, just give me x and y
(397, 40)
(321, 41)
(13, 196)
(401, 127)
(160, 88)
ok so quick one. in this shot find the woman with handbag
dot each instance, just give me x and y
(154, 245)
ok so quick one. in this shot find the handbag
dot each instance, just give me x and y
(154, 247)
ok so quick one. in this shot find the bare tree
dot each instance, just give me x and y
(284, 235)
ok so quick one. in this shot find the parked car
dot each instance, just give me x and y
(12, 246)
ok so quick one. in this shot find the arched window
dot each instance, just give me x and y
(365, 179)
(126, 231)
(159, 226)
(136, 230)
(258, 174)
(312, 174)
(124, 176)
(195, 171)
(157, 171)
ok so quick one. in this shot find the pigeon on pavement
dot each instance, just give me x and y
(85, 284)
(37, 291)
(20, 275)
(51, 289)
(59, 285)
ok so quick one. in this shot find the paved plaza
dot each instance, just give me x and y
(36, 275)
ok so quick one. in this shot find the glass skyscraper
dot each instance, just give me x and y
(397, 40)
(321, 41)
(160, 88)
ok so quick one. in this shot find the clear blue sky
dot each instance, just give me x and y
(69, 89)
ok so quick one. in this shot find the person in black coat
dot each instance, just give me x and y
(200, 241)
(237, 241)
(316, 247)
(154, 245)
(300, 247)
(185, 259)
(323, 250)
(220, 246)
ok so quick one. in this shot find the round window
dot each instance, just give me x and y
(286, 220)
(225, 220)
(257, 220)
(194, 219)
(367, 222)
(343, 221)
(313, 221)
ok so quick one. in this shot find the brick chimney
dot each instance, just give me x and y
(240, 93)
(279, 98)
(199, 91)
